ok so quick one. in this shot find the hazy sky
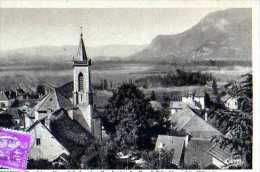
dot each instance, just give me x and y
(33, 27)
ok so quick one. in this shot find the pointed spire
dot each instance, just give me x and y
(82, 55)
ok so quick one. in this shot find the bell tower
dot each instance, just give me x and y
(82, 91)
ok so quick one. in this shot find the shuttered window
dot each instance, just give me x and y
(81, 81)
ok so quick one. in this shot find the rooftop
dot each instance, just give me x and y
(187, 120)
(177, 105)
(223, 154)
(174, 143)
(196, 151)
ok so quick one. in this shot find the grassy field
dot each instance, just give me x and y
(28, 77)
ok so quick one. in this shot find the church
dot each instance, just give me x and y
(76, 105)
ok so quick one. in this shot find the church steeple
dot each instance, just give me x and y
(82, 55)
(82, 91)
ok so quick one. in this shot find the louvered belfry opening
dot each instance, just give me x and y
(81, 81)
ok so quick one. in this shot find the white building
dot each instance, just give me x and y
(195, 99)
(230, 102)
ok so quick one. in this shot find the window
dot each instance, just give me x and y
(80, 81)
(38, 141)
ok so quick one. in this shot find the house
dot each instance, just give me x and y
(223, 157)
(194, 98)
(172, 143)
(230, 102)
(187, 120)
(4, 101)
(44, 144)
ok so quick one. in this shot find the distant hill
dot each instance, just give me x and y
(220, 35)
(48, 54)
(223, 35)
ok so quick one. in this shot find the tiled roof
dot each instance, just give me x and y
(63, 101)
(53, 100)
(222, 154)
(172, 143)
(69, 132)
(196, 151)
(187, 120)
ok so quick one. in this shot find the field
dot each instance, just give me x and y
(28, 77)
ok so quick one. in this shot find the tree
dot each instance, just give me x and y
(40, 90)
(166, 101)
(130, 119)
(6, 120)
(39, 164)
(238, 124)
(100, 155)
(215, 86)
(159, 160)
(153, 96)
(105, 84)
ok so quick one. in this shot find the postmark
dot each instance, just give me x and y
(14, 149)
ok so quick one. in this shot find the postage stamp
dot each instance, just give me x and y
(14, 148)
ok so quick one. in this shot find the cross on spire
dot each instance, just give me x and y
(81, 31)
(82, 55)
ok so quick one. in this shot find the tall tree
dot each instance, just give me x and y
(238, 124)
(129, 118)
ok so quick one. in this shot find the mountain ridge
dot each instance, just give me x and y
(224, 34)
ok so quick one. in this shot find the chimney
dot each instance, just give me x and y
(186, 140)
(206, 116)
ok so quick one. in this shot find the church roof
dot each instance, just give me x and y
(54, 100)
(69, 132)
